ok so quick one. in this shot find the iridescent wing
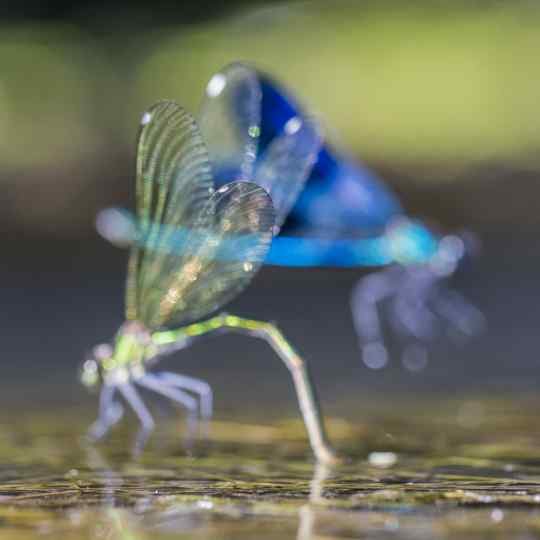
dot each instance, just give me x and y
(118, 226)
(174, 193)
(230, 120)
(207, 265)
(287, 162)
(173, 184)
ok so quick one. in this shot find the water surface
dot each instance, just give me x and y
(458, 469)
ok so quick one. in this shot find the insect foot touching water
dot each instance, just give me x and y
(226, 234)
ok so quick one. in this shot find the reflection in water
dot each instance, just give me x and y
(308, 512)
(117, 523)
(418, 472)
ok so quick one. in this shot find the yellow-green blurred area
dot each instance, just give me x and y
(419, 86)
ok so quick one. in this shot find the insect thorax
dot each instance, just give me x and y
(132, 346)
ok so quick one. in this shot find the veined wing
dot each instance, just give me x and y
(213, 261)
(230, 120)
(287, 162)
(173, 185)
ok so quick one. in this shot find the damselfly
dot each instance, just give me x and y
(343, 198)
(350, 216)
(169, 294)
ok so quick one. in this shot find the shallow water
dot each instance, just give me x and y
(458, 469)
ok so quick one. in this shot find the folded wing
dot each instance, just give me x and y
(175, 278)
(230, 119)
(285, 165)
(206, 266)
(173, 183)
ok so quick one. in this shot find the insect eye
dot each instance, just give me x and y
(89, 373)
(91, 367)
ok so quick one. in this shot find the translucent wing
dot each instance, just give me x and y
(118, 226)
(287, 162)
(173, 186)
(213, 261)
(230, 120)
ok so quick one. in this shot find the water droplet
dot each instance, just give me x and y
(382, 459)
(254, 131)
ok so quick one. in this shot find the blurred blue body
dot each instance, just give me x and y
(345, 216)
(342, 201)
(340, 195)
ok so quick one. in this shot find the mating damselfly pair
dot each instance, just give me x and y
(211, 200)
(168, 288)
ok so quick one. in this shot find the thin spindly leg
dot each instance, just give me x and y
(197, 386)
(459, 312)
(411, 317)
(139, 408)
(147, 422)
(305, 390)
(365, 299)
(414, 318)
(109, 413)
(161, 387)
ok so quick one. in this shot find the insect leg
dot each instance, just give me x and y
(459, 312)
(109, 413)
(366, 296)
(158, 385)
(197, 386)
(161, 387)
(305, 390)
(139, 408)
(412, 317)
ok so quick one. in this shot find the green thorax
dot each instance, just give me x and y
(132, 346)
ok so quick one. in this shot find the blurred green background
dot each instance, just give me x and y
(438, 97)
(425, 90)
